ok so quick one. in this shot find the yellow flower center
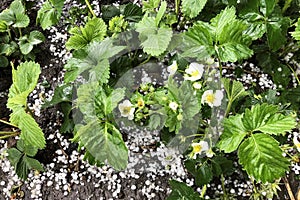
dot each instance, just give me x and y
(126, 110)
(195, 73)
(210, 98)
(298, 145)
(197, 148)
(140, 103)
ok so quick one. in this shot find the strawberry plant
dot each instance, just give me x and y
(13, 41)
(195, 72)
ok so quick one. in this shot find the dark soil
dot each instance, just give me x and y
(88, 191)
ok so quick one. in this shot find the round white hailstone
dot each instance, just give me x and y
(65, 187)
(66, 193)
(232, 191)
(133, 187)
(2, 183)
(147, 182)
(49, 183)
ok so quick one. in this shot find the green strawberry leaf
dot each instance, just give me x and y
(262, 158)
(233, 134)
(50, 13)
(94, 31)
(104, 142)
(192, 8)
(181, 191)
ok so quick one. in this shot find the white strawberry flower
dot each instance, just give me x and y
(194, 72)
(126, 109)
(296, 143)
(198, 148)
(173, 105)
(211, 98)
(172, 68)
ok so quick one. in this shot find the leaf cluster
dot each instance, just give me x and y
(31, 138)
(12, 41)
(223, 37)
(251, 133)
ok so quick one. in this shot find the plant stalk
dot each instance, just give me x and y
(228, 107)
(6, 133)
(288, 188)
(90, 8)
(287, 4)
(7, 136)
(203, 191)
(7, 123)
(177, 2)
(223, 186)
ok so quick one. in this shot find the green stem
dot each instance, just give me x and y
(6, 133)
(223, 186)
(203, 191)
(177, 2)
(254, 186)
(228, 107)
(9, 33)
(287, 4)
(90, 8)
(220, 67)
(145, 61)
(7, 136)
(20, 32)
(296, 77)
(194, 135)
(5, 122)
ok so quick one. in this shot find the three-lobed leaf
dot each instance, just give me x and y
(262, 158)
(233, 134)
(24, 81)
(26, 43)
(93, 59)
(234, 89)
(22, 163)
(94, 31)
(104, 144)
(15, 15)
(192, 8)
(154, 40)
(50, 13)
(181, 191)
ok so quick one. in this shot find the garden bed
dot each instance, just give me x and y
(151, 163)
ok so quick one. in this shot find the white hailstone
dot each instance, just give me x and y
(49, 183)
(194, 72)
(211, 98)
(65, 187)
(133, 187)
(114, 177)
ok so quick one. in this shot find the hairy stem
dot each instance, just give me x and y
(288, 188)
(177, 2)
(11, 135)
(228, 107)
(90, 8)
(5, 122)
(203, 191)
(223, 186)
(287, 4)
